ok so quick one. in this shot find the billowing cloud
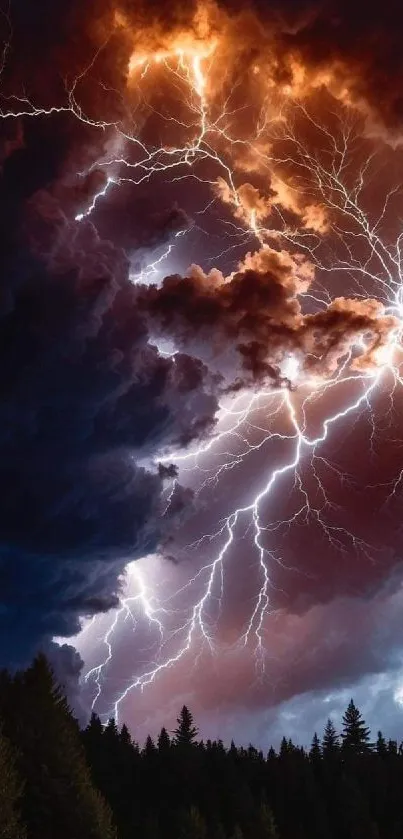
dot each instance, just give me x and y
(223, 321)
(251, 207)
(86, 398)
(90, 408)
(248, 323)
(352, 49)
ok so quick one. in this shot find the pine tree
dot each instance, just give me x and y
(124, 736)
(192, 825)
(284, 748)
(381, 747)
(150, 748)
(186, 732)
(356, 735)
(10, 793)
(96, 754)
(330, 741)
(163, 742)
(233, 751)
(92, 739)
(125, 750)
(95, 728)
(315, 753)
(58, 788)
(111, 732)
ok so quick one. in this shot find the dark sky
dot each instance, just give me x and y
(200, 219)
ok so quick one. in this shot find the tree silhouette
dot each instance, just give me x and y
(330, 741)
(200, 791)
(58, 789)
(381, 747)
(163, 741)
(315, 752)
(355, 735)
(186, 732)
(124, 735)
(150, 748)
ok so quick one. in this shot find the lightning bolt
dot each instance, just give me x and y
(340, 238)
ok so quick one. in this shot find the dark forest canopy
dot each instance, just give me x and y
(58, 781)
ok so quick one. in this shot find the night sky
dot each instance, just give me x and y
(201, 313)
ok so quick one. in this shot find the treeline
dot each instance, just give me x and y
(57, 782)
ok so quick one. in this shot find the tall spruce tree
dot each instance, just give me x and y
(381, 747)
(284, 748)
(330, 741)
(11, 788)
(355, 734)
(92, 737)
(186, 732)
(163, 742)
(125, 736)
(150, 749)
(59, 798)
(315, 752)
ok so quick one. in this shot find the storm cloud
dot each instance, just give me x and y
(86, 405)
(247, 324)
(91, 411)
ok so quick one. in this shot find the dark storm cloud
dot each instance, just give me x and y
(353, 48)
(167, 472)
(363, 41)
(137, 218)
(83, 398)
(70, 37)
(85, 401)
(358, 43)
(258, 315)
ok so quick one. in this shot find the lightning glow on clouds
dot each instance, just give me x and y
(379, 265)
(291, 191)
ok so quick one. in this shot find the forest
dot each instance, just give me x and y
(60, 781)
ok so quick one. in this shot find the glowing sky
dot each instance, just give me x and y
(201, 323)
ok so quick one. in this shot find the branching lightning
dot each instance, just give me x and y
(333, 229)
